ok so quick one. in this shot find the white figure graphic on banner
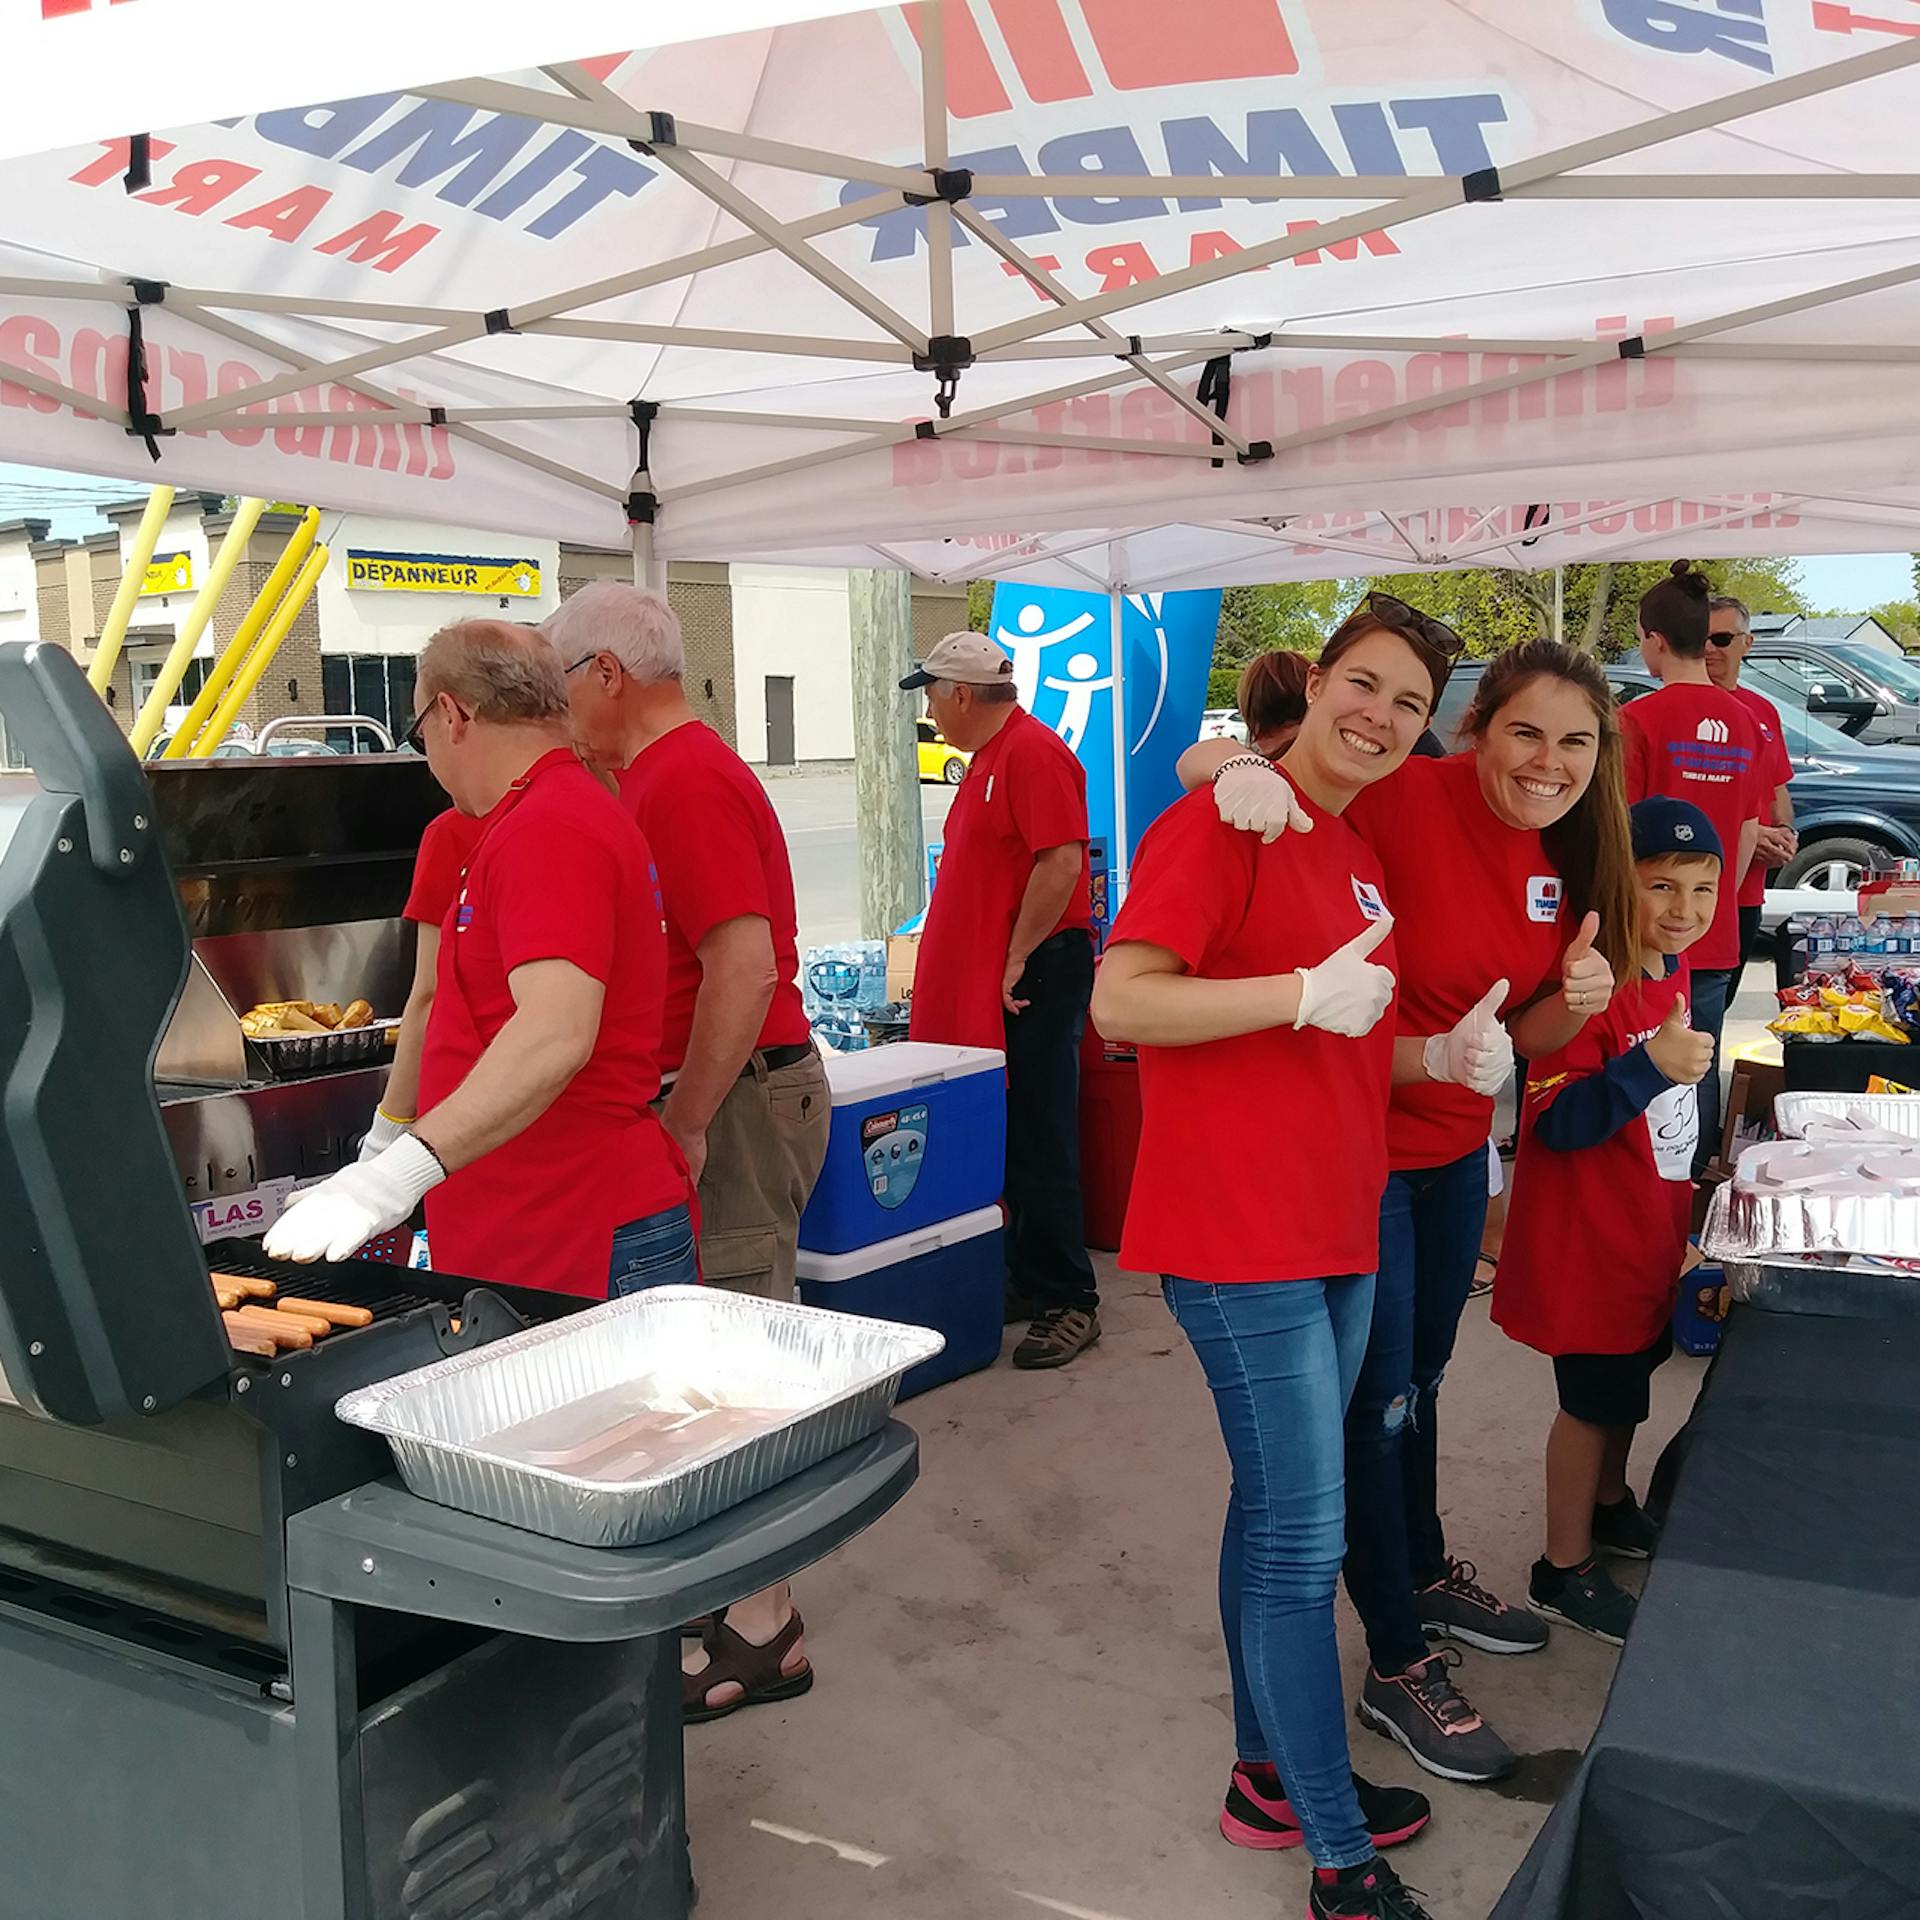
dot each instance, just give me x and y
(1080, 688)
(1148, 607)
(1032, 640)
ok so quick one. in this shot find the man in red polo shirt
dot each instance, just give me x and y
(1694, 742)
(538, 1155)
(1006, 961)
(1729, 636)
(747, 1097)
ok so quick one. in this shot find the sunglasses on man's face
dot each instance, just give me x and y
(1415, 625)
(1726, 639)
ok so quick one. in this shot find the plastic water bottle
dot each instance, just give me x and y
(1846, 936)
(1909, 935)
(873, 976)
(1820, 940)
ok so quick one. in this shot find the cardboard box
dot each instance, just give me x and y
(903, 956)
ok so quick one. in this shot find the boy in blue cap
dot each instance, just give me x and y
(1597, 1228)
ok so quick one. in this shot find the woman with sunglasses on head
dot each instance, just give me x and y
(1256, 980)
(1509, 861)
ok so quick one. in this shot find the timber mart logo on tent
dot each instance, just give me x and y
(59, 9)
(1712, 730)
(1139, 44)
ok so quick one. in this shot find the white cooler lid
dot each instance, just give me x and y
(906, 1246)
(876, 1073)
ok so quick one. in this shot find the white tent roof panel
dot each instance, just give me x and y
(498, 264)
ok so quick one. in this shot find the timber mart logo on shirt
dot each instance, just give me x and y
(1709, 758)
(1544, 892)
(1714, 730)
(1367, 898)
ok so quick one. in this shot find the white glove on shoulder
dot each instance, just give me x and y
(382, 1133)
(334, 1220)
(1346, 993)
(1475, 1052)
(1253, 795)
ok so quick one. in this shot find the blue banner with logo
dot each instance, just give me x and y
(1062, 647)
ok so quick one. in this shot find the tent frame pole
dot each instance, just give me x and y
(1120, 865)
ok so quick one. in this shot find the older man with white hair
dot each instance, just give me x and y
(746, 1094)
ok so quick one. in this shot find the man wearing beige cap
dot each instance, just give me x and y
(1006, 961)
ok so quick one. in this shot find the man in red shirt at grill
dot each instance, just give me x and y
(746, 1093)
(1729, 637)
(1006, 961)
(541, 1048)
(1692, 741)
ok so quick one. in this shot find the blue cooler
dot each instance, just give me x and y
(951, 1277)
(919, 1135)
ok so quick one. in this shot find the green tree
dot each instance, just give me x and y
(1901, 618)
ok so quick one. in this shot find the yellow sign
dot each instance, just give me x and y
(481, 573)
(168, 573)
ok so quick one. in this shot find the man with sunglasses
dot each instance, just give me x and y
(1729, 639)
(538, 1156)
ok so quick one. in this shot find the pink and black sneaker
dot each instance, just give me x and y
(1259, 1815)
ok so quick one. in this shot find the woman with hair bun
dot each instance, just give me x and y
(1695, 741)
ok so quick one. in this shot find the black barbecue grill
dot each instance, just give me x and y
(242, 1671)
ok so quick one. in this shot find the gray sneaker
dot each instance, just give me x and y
(1457, 1608)
(1586, 1597)
(1428, 1715)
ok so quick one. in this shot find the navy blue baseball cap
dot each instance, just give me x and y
(1663, 826)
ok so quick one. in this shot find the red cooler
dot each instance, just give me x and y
(1109, 1135)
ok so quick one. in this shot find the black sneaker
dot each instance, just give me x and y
(1584, 1597)
(1455, 1608)
(1257, 1816)
(1625, 1530)
(1372, 1891)
(1428, 1715)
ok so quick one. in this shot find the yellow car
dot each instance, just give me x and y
(940, 764)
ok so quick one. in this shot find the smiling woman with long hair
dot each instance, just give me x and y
(1256, 980)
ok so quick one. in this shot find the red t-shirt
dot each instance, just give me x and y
(1207, 1203)
(1024, 792)
(1776, 769)
(1595, 1235)
(445, 848)
(1474, 901)
(720, 855)
(1699, 744)
(561, 873)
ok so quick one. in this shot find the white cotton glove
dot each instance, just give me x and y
(1476, 1053)
(1346, 993)
(1253, 795)
(382, 1133)
(334, 1220)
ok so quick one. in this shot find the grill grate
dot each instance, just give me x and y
(354, 1283)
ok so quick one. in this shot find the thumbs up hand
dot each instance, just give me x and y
(1586, 981)
(1346, 993)
(1475, 1053)
(1683, 1055)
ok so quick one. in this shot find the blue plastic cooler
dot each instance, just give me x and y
(950, 1277)
(919, 1136)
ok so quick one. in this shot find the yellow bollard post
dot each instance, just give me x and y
(180, 747)
(153, 715)
(261, 658)
(107, 655)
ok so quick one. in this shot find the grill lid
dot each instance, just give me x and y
(104, 1304)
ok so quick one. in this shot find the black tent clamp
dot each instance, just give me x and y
(643, 505)
(951, 184)
(139, 174)
(1215, 389)
(142, 422)
(948, 355)
(661, 132)
(1537, 515)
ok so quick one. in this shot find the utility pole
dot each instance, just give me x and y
(886, 771)
(1559, 603)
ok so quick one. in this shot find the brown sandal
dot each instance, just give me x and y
(755, 1670)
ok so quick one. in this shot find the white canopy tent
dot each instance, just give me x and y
(1640, 278)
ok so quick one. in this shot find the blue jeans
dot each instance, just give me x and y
(658, 1251)
(1431, 1221)
(1281, 1357)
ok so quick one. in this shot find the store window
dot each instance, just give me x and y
(146, 674)
(380, 685)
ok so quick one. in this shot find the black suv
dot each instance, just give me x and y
(1853, 804)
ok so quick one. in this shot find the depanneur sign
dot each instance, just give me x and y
(373, 572)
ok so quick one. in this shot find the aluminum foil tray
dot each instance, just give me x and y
(1896, 1112)
(290, 1056)
(1745, 1224)
(574, 1429)
(1842, 1286)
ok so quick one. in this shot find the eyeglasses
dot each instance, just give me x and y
(1415, 625)
(578, 664)
(1727, 639)
(412, 739)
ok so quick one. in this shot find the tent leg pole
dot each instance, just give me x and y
(1119, 861)
(648, 572)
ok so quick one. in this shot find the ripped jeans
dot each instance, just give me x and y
(1431, 1220)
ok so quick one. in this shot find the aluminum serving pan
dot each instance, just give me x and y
(1746, 1224)
(1892, 1112)
(573, 1429)
(1843, 1285)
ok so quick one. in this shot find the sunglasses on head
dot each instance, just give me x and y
(1415, 625)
